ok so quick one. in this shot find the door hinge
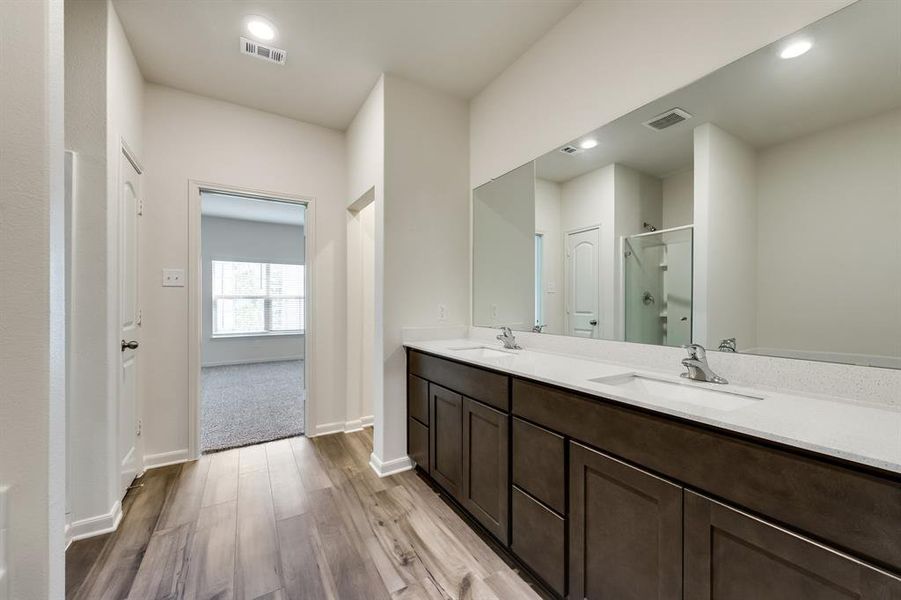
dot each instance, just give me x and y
(140, 317)
(139, 428)
(141, 207)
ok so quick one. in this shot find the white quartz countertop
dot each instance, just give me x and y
(857, 432)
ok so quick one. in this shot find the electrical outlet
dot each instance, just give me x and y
(442, 312)
(493, 311)
(173, 278)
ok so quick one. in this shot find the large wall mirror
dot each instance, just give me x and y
(756, 210)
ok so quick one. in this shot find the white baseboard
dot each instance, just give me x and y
(391, 467)
(252, 361)
(326, 429)
(163, 459)
(85, 528)
(341, 427)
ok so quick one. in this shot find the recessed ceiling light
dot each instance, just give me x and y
(260, 28)
(588, 144)
(796, 49)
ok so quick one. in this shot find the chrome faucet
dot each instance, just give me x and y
(538, 328)
(508, 339)
(727, 345)
(697, 367)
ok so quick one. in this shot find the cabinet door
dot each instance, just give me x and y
(625, 530)
(730, 555)
(446, 438)
(486, 486)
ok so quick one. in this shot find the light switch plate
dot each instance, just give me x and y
(173, 278)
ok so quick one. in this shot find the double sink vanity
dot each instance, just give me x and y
(610, 482)
(755, 210)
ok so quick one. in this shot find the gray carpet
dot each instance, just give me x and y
(249, 404)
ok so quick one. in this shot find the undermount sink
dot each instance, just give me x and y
(677, 391)
(480, 352)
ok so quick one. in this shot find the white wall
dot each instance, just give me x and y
(32, 241)
(605, 59)
(678, 199)
(829, 245)
(586, 201)
(637, 200)
(725, 210)
(250, 241)
(189, 137)
(425, 237)
(547, 222)
(104, 98)
(503, 249)
(365, 150)
(90, 422)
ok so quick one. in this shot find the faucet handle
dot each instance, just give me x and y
(695, 351)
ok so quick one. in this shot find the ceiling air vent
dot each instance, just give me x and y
(667, 119)
(569, 150)
(268, 53)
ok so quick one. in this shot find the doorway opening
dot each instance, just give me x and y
(253, 347)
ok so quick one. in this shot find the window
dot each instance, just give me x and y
(257, 298)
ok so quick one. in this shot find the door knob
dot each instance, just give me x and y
(593, 322)
(132, 345)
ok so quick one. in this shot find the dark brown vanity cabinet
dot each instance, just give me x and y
(605, 500)
(467, 452)
(625, 530)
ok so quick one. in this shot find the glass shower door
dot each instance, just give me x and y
(657, 287)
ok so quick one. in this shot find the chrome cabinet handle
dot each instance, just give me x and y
(132, 345)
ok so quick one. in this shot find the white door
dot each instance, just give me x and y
(129, 321)
(582, 275)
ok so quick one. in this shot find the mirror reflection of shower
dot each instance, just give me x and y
(657, 276)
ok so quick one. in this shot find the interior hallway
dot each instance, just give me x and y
(293, 518)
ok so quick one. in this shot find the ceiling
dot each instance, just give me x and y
(336, 49)
(853, 71)
(251, 209)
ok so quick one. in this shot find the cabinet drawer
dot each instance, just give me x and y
(418, 399)
(538, 464)
(484, 386)
(539, 540)
(418, 443)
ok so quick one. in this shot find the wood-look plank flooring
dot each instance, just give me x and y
(294, 518)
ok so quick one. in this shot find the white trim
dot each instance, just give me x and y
(93, 526)
(326, 429)
(355, 425)
(391, 467)
(358, 424)
(195, 300)
(164, 459)
(251, 361)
